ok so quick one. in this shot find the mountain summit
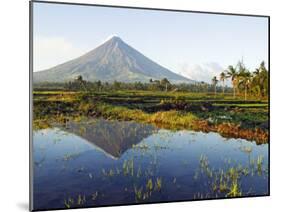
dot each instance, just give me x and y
(112, 60)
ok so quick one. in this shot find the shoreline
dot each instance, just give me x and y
(199, 115)
(191, 122)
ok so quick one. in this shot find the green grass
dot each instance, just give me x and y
(172, 110)
(242, 105)
(227, 181)
(173, 118)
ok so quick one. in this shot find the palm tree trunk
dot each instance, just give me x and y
(245, 93)
(233, 85)
(223, 87)
(215, 90)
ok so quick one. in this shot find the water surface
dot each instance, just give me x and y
(101, 162)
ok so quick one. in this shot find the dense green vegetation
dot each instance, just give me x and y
(173, 110)
(243, 81)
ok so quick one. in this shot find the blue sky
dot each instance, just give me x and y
(195, 45)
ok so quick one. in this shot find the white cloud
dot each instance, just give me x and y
(202, 72)
(51, 51)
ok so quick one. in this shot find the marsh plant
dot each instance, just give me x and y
(226, 182)
(75, 202)
(71, 156)
(152, 187)
(158, 184)
(138, 193)
(95, 196)
(259, 164)
(128, 167)
(109, 173)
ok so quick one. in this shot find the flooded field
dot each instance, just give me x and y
(100, 162)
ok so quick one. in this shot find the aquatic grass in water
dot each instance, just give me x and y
(138, 194)
(69, 202)
(128, 167)
(158, 184)
(139, 172)
(81, 200)
(109, 173)
(150, 189)
(72, 202)
(259, 164)
(149, 185)
(72, 156)
(95, 196)
(146, 170)
(234, 190)
(226, 182)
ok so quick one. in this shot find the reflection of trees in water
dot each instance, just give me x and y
(113, 137)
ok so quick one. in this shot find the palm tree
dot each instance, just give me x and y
(261, 79)
(245, 79)
(256, 85)
(202, 86)
(232, 74)
(166, 83)
(99, 85)
(223, 78)
(81, 82)
(215, 82)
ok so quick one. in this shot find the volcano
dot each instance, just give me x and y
(113, 60)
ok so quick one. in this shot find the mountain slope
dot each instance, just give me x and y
(113, 60)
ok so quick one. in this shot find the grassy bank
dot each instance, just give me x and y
(182, 120)
(230, 117)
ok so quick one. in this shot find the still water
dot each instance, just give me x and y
(100, 162)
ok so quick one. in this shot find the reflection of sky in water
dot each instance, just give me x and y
(67, 165)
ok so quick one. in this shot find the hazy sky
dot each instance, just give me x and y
(195, 45)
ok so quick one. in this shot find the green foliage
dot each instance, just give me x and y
(158, 184)
(226, 181)
(73, 202)
(138, 193)
(172, 110)
(161, 85)
(173, 118)
(244, 81)
(149, 185)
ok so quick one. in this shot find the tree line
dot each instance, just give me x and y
(79, 84)
(243, 81)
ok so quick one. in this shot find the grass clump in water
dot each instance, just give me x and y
(128, 167)
(226, 182)
(158, 184)
(138, 193)
(71, 202)
(259, 164)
